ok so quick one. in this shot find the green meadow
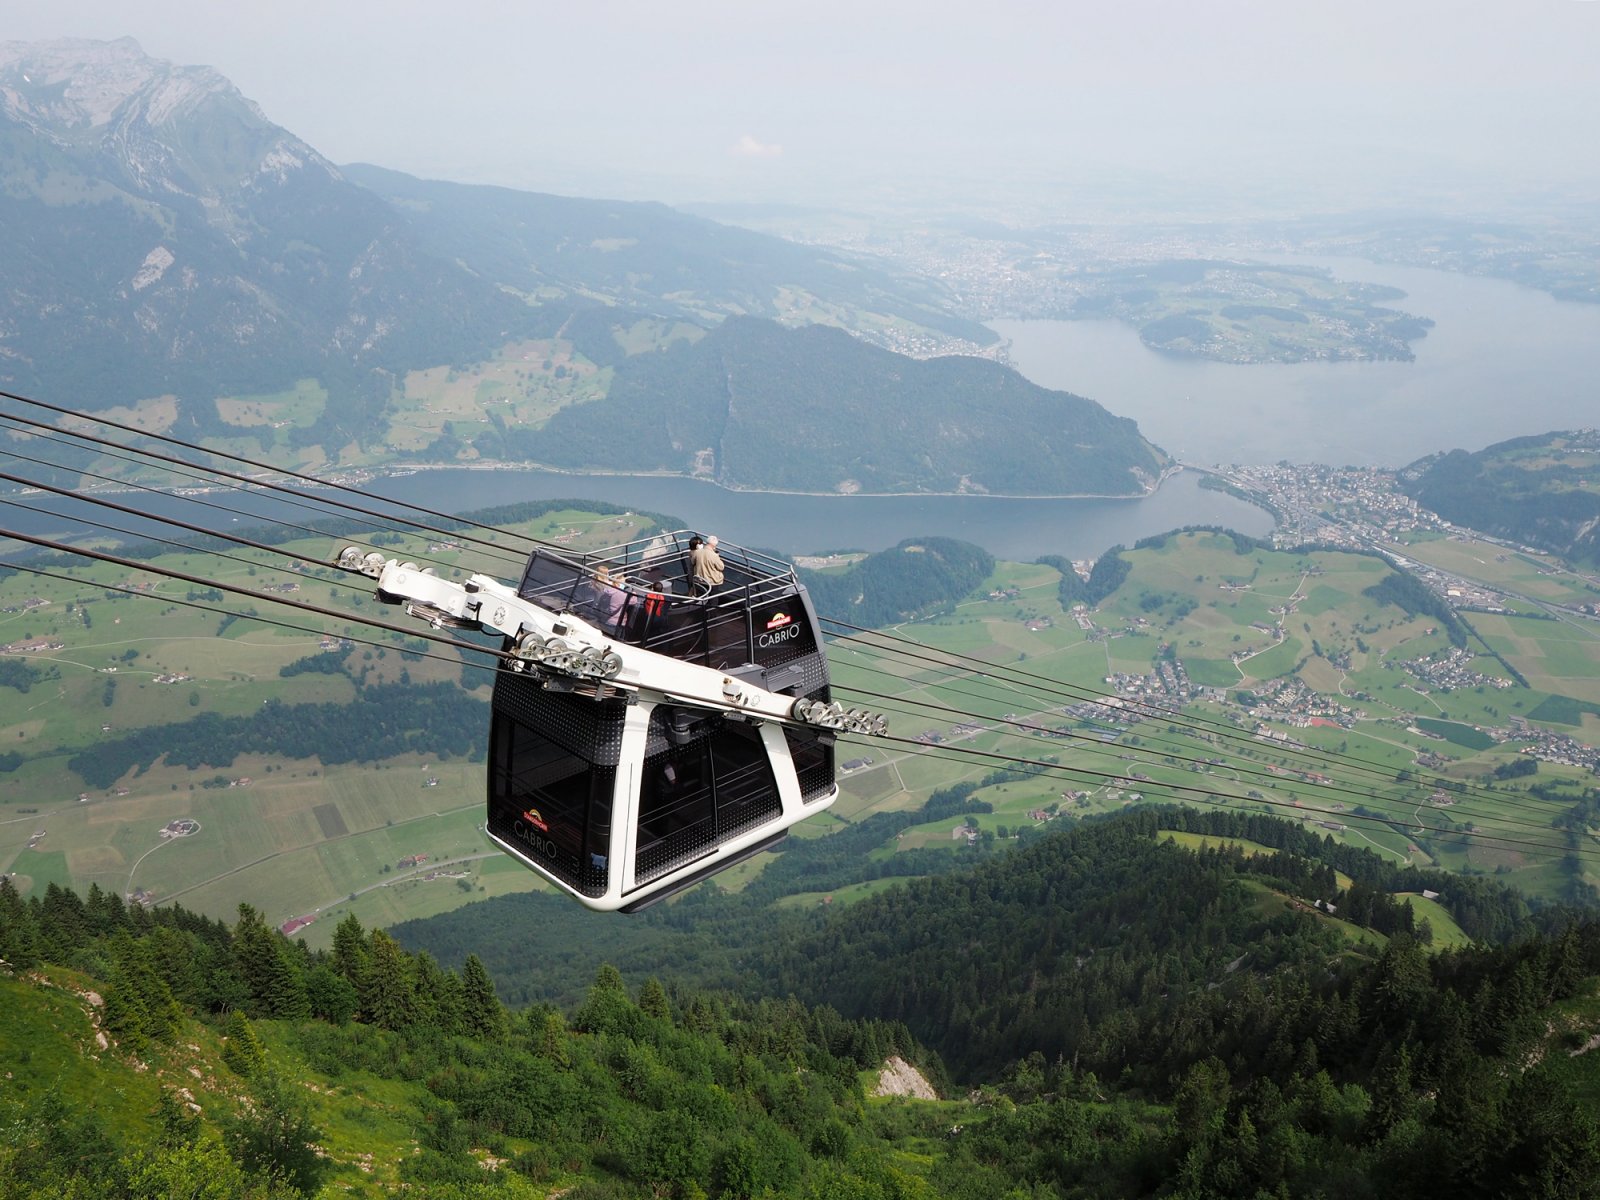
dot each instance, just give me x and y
(992, 690)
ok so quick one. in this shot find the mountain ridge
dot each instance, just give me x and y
(814, 410)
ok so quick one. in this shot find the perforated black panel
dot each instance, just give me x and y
(553, 766)
(589, 727)
(812, 752)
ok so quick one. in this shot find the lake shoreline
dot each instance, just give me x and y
(404, 470)
(1501, 360)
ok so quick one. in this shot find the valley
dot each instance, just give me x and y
(1260, 679)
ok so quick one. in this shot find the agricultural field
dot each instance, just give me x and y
(110, 652)
(1558, 657)
(1323, 717)
(297, 407)
(1297, 633)
(1526, 573)
(522, 388)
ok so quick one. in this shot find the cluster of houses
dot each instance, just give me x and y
(1451, 670)
(1291, 701)
(1165, 682)
(1333, 506)
(36, 645)
(1548, 746)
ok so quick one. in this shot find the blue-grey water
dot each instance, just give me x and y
(1502, 361)
(1017, 529)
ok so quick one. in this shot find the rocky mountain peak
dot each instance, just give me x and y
(155, 120)
(78, 84)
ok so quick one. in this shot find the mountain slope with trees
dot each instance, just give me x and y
(215, 1060)
(165, 237)
(755, 405)
(1538, 490)
(652, 258)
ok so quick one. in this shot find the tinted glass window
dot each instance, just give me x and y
(747, 792)
(548, 581)
(705, 780)
(676, 813)
(551, 802)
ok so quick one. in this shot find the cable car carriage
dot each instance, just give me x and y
(643, 738)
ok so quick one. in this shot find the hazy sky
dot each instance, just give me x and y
(1348, 100)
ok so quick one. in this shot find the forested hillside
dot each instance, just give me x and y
(919, 576)
(1538, 490)
(1119, 941)
(231, 1062)
(753, 404)
(650, 257)
(1111, 931)
(382, 721)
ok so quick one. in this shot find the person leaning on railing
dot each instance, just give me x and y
(705, 567)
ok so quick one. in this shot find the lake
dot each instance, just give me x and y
(1016, 529)
(1010, 528)
(1502, 361)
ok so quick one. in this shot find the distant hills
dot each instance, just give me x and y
(655, 259)
(168, 240)
(755, 405)
(1542, 490)
(164, 236)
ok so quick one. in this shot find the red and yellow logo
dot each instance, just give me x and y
(533, 818)
(779, 620)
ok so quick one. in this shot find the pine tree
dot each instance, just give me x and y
(552, 1039)
(136, 967)
(653, 1000)
(241, 1048)
(268, 970)
(428, 988)
(330, 995)
(62, 924)
(275, 1137)
(19, 935)
(386, 997)
(350, 951)
(481, 1012)
(178, 1124)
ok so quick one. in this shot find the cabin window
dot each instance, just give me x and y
(551, 778)
(550, 582)
(706, 780)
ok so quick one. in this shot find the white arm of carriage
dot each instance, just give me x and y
(564, 644)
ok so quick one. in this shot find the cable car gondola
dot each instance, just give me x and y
(643, 738)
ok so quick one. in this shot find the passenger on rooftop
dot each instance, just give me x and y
(705, 565)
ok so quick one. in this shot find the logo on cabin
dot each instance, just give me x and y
(779, 620)
(533, 818)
